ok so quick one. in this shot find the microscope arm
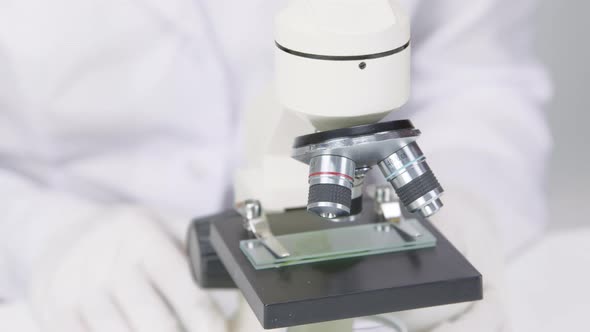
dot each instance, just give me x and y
(267, 172)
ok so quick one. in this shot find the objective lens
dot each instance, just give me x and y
(331, 180)
(413, 180)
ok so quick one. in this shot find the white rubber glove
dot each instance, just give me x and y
(126, 273)
(470, 227)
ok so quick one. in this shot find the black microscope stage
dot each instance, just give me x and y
(325, 291)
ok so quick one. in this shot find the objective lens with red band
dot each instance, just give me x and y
(331, 179)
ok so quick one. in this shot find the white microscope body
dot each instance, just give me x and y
(342, 63)
(341, 66)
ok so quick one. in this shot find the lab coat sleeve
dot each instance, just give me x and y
(30, 212)
(477, 97)
(91, 99)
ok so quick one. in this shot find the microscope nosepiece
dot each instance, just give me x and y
(331, 179)
(413, 180)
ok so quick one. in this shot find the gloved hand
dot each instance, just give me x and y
(470, 227)
(125, 273)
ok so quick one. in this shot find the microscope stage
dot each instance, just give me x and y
(342, 288)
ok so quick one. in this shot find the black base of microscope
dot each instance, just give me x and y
(340, 289)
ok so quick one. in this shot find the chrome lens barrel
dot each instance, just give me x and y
(413, 180)
(331, 180)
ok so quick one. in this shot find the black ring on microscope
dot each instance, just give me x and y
(362, 130)
(343, 57)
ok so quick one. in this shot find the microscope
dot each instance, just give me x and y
(343, 251)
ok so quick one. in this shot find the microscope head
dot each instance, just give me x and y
(343, 65)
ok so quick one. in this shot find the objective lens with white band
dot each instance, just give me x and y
(413, 180)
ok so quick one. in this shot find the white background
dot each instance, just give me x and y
(564, 45)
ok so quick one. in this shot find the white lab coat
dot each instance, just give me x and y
(137, 102)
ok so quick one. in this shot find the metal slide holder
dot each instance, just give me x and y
(256, 222)
(388, 209)
(270, 251)
(335, 244)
